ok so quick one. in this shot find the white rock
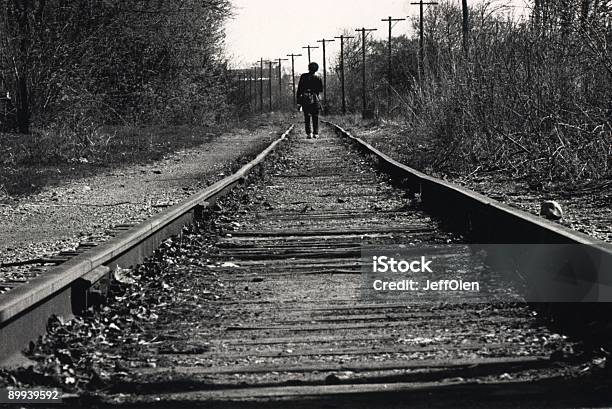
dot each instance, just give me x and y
(551, 210)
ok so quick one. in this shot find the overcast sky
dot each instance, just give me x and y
(274, 28)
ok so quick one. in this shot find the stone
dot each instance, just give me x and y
(551, 210)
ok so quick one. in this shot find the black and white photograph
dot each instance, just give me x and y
(340, 204)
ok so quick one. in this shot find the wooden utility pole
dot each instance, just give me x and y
(389, 62)
(293, 75)
(363, 31)
(270, 82)
(261, 89)
(280, 82)
(342, 38)
(421, 3)
(251, 88)
(254, 87)
(235, 90)
(245, 83)
(309, 47)
(324, 41)
(243, 86)
(235, 79)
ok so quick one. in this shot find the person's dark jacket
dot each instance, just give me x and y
(309, 84)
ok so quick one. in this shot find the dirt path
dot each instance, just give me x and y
(60, 217)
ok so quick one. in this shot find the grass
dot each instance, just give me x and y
(43, 158)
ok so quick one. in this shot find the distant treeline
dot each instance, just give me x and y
(75, 64)
(532, 95)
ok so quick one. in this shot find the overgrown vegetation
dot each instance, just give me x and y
(72, 67)
(528, 95)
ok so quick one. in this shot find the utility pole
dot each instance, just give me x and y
(363, 62)
(242, 79)
(239, 91)
(324, 41)
(270, 82)
(251, 88)
(236, 87)
(342, 38)
(421, 3)
(293, 75)
(254, 87)
(389, 62)
(247, 87)
(280, 82)
(309, 47)
(261, 103)
(231, 75)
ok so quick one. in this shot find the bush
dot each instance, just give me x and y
(531, 96)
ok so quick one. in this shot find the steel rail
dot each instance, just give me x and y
(489, 221)
(24, 311)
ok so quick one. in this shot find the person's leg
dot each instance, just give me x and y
(307, 123)
(315, 123)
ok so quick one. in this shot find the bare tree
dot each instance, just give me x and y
(81, 62)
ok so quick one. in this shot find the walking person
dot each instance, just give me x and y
(309, 87)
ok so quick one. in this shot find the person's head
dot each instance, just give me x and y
(313, 67)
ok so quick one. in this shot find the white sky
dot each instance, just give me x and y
(274, 28)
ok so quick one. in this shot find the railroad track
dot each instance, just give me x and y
(288, 325)
(81, 278)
